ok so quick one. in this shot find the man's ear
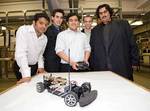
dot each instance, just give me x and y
(52, 18)
(33, 22)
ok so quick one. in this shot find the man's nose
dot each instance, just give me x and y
(44, 25)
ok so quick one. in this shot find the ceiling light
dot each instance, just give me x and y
(94, 24)
(3, 28)
(137, 23)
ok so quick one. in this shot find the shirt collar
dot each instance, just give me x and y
(72, 30)
(57, 27)
(32, 30)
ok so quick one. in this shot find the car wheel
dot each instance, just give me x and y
(71, 99)
(40, 87)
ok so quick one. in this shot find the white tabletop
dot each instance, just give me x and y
(114, 94)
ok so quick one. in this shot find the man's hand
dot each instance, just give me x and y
(25, 79)
(86, 62)
(74, 65)
(40, 70)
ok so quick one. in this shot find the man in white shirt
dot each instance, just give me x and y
(74, 40)
(30, 45)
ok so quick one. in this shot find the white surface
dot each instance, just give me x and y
(114, 94)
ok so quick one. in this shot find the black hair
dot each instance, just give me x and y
(70, 15)
(58, 10)
(110, 10)
(41, 15)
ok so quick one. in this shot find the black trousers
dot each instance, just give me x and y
(52, 65)
(66, 68)
(19, 75)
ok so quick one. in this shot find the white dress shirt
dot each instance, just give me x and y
(76, 41)
(29, 49)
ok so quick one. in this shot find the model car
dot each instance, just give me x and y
(72, 93)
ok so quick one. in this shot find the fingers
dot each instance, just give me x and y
(74, 66)
(23, 80)
(87, 62)
(41, 70)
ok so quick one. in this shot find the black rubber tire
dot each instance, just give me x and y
(40, 87)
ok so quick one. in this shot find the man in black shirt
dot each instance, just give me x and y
(51, 60)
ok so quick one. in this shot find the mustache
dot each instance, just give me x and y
(103, 17)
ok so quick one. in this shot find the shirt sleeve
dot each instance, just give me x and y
(60, 46)
(21, 52)
(41, 61)
(87, 46)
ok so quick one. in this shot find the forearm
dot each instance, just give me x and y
(23, 65)
(86, 56)
(40, 62)
(63, 56)
(41, 58)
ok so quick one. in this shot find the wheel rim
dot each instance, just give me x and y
(70, 100)
(40, 87)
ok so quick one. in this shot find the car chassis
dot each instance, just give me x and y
(72, 93)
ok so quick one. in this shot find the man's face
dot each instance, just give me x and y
(41, 25)
(88, 22)
(57, 19)
(104, 15)
(73, 23)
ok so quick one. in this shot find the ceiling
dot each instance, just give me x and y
(131, 9)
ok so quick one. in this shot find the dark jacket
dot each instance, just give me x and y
(122, 49)
(51, 60)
